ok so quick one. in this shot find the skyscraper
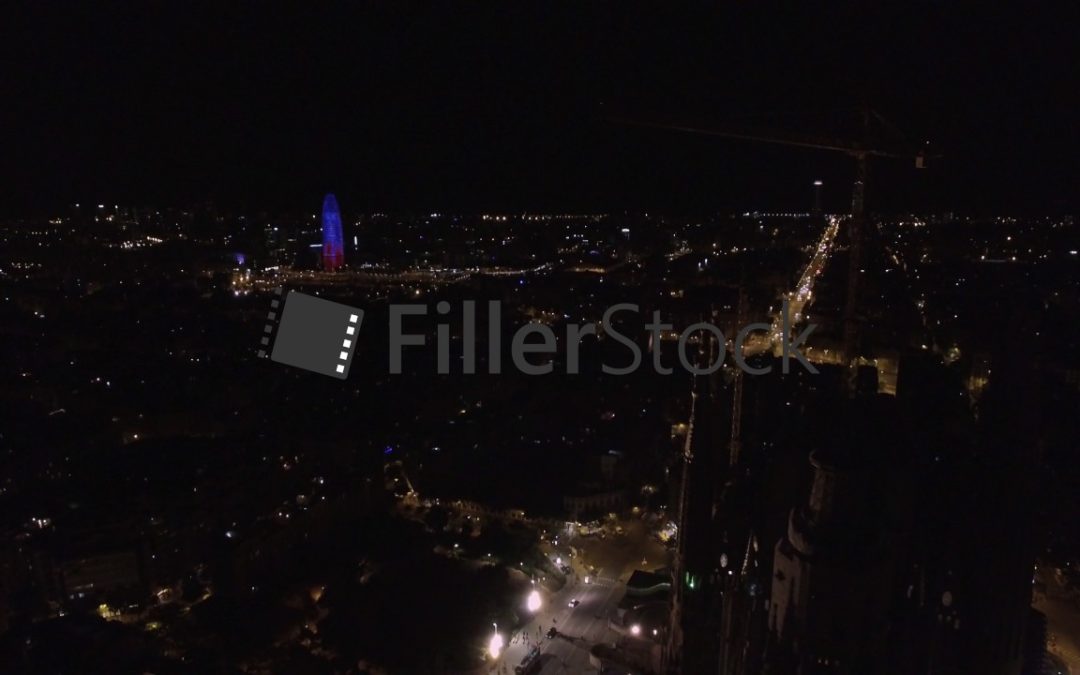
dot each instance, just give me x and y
(832, 576)
(333, 250)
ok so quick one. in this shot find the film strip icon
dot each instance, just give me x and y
(312, 333)
(271, 322)
(347, 343)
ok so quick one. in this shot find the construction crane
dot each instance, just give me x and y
(861, 149)
(735, 444)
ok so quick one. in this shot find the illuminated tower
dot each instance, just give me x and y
(333, 249)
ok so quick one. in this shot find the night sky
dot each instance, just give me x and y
(260, 107)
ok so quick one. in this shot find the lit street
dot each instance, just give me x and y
(1062, 622)
(615, 558)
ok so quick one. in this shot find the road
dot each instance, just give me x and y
(799, 298)
(579, 628)
(607, 562)
(1062, 622)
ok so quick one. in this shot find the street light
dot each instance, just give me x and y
(533, 603)
(496, 644)
(635, 630)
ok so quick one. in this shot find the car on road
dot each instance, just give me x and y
(575, 602)
(552, 632)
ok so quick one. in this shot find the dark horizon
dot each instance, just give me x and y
(460, 110)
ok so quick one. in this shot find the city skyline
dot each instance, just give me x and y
(539, 340)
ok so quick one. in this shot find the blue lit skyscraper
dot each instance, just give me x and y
(333, 249)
